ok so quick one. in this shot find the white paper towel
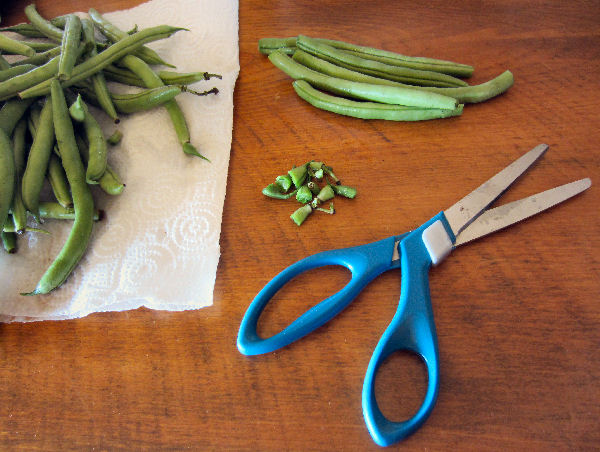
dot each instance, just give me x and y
(159, 243)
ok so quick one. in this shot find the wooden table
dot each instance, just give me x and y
(517, 313)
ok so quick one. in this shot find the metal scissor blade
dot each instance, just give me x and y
(500, 217)
(461, 214)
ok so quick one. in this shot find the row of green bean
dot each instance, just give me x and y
(370, 83)
(49, 135)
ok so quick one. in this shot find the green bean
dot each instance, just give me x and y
(96, 63)
(96, 164)
(58, 181)
(41, 46)
(115, 138)
(14, 47)
(4, 64)
(168, 77)
(140, 101)
(19, 212)
(11, 72)
(365, 91)
(98, 80)
(69, 47)
(42, 25)
(270, 45)
(466, 94)
(114, 34)
(40, 58)
(11, 112)
(151, 80)
(12, 86)
(371, 67)
(9, 241)
(83, 203)
(37, 161)
(54, 211)
(369, 110)
(27, 30)
(396, 59)
(7, 175)
(110, 182)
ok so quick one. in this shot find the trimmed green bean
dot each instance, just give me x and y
(41, 46)
(115, 34)
(14, 47)
(11, 87)
(83, 202)
(7, 175)
(40, 58)
(369, 110)
(365, 91)
(25, 29)
(69, 47)
(96, 63)
(152, 80)
(376, 68)
(466, 94)
(58, 181)
(19, 212)
(98, 80)
(11, 72)
(42, 25)
(269, 45)
(37, 161)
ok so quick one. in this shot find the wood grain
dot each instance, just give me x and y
(518, 313)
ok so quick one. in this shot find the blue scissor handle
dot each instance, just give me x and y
(411, 329)
(365, 262)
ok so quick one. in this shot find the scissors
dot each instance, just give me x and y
(412, 327)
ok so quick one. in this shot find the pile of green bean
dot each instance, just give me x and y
(369, 83)
(48, 133)
(312, 184)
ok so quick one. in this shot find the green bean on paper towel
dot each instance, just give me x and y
(311, 184)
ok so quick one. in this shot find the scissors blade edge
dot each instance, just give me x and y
(461, 214)
(500, 217)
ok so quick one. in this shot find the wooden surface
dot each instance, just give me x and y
(517, 313)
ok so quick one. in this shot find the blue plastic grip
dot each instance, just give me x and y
(411, 329)
(365, 262)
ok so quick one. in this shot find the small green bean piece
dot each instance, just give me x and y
(42, 25)
(69, 47)
(376, 68)
(325, 194)
(304, 195)
(274, 191)
(115, 34)
(83, 203)
(14, 47)
(369, 110)
(330, 211)
(19, 212)
(298, 175)
(365, 91)
(344, 190)
(37, 161)
(284, 181)
(7, 175)
(9, 241)
(301, 214)
(76, 109)
(58, 182)
(115, 138)
(96, 63)
(11, 72)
